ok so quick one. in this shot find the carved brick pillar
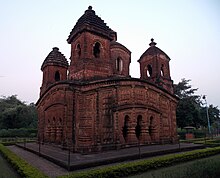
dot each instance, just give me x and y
(153, 126)
(58, 134)
(47, 133)
(144, 136)
(154, 134)
(131, 136)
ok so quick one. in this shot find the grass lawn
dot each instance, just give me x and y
(6, 170)
(206, 167)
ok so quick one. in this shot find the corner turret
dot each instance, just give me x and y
(154, 67)
(54, 68)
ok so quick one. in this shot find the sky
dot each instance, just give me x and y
(188, 31)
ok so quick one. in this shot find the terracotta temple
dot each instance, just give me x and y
(94, 104)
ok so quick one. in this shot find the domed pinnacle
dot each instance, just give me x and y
(55, 49)
(89, 10)
(152, 42)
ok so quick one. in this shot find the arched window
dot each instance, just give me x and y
(162, 70)
(125, 127)
(138, 126)
(119, 64)
(96, 50)
(149, 70)
(78, 50)
(57, 76)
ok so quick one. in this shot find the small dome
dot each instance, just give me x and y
(55, 57)
(153, 50)
(119, 45)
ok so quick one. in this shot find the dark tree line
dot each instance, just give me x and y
(16, 114)
(191, 108)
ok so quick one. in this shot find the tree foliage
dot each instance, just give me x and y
(16, 114)
(191, 110)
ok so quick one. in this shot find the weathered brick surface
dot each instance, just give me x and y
(98, 105)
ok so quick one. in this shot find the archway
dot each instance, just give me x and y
(96, 50)
(78, 50)
(149, 70)
(162, 70)
(138, 127)
(57, 76)
(125, 127)
(119, 64)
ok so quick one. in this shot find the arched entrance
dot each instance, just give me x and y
(138, 127)
(150, 129)
(125, 128)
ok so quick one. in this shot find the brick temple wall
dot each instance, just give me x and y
(94, 116)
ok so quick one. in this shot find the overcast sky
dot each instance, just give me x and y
(187, 30)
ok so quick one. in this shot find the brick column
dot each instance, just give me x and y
(58, 134)
(144, 136)
(47, 133)
(131, 136)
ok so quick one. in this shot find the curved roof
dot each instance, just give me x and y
(114, 43)
(153, 50)
(55, 57)
(89, 21)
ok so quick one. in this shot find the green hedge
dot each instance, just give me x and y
(197, 133)
(12, 141)
(20, 165)
(209, 143)
(193, 140)
(132, 168)
(181, 134)
(22, 132)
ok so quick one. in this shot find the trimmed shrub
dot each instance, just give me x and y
(22, 132)
(132, 168)
(209, 143)
(12, 141)
(199, 134)
(20, 165)
(182, 134)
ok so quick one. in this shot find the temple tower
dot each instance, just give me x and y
(94, 51)
(54, 69)
(154, 67)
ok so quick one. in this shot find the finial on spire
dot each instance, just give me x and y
(152, 42)
(89, 10)
(55, 49)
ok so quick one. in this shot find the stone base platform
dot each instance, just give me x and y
(75, 161)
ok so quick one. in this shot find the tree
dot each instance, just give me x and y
(184, 90)
(16, 114)
(214, 116)
(190, 109)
